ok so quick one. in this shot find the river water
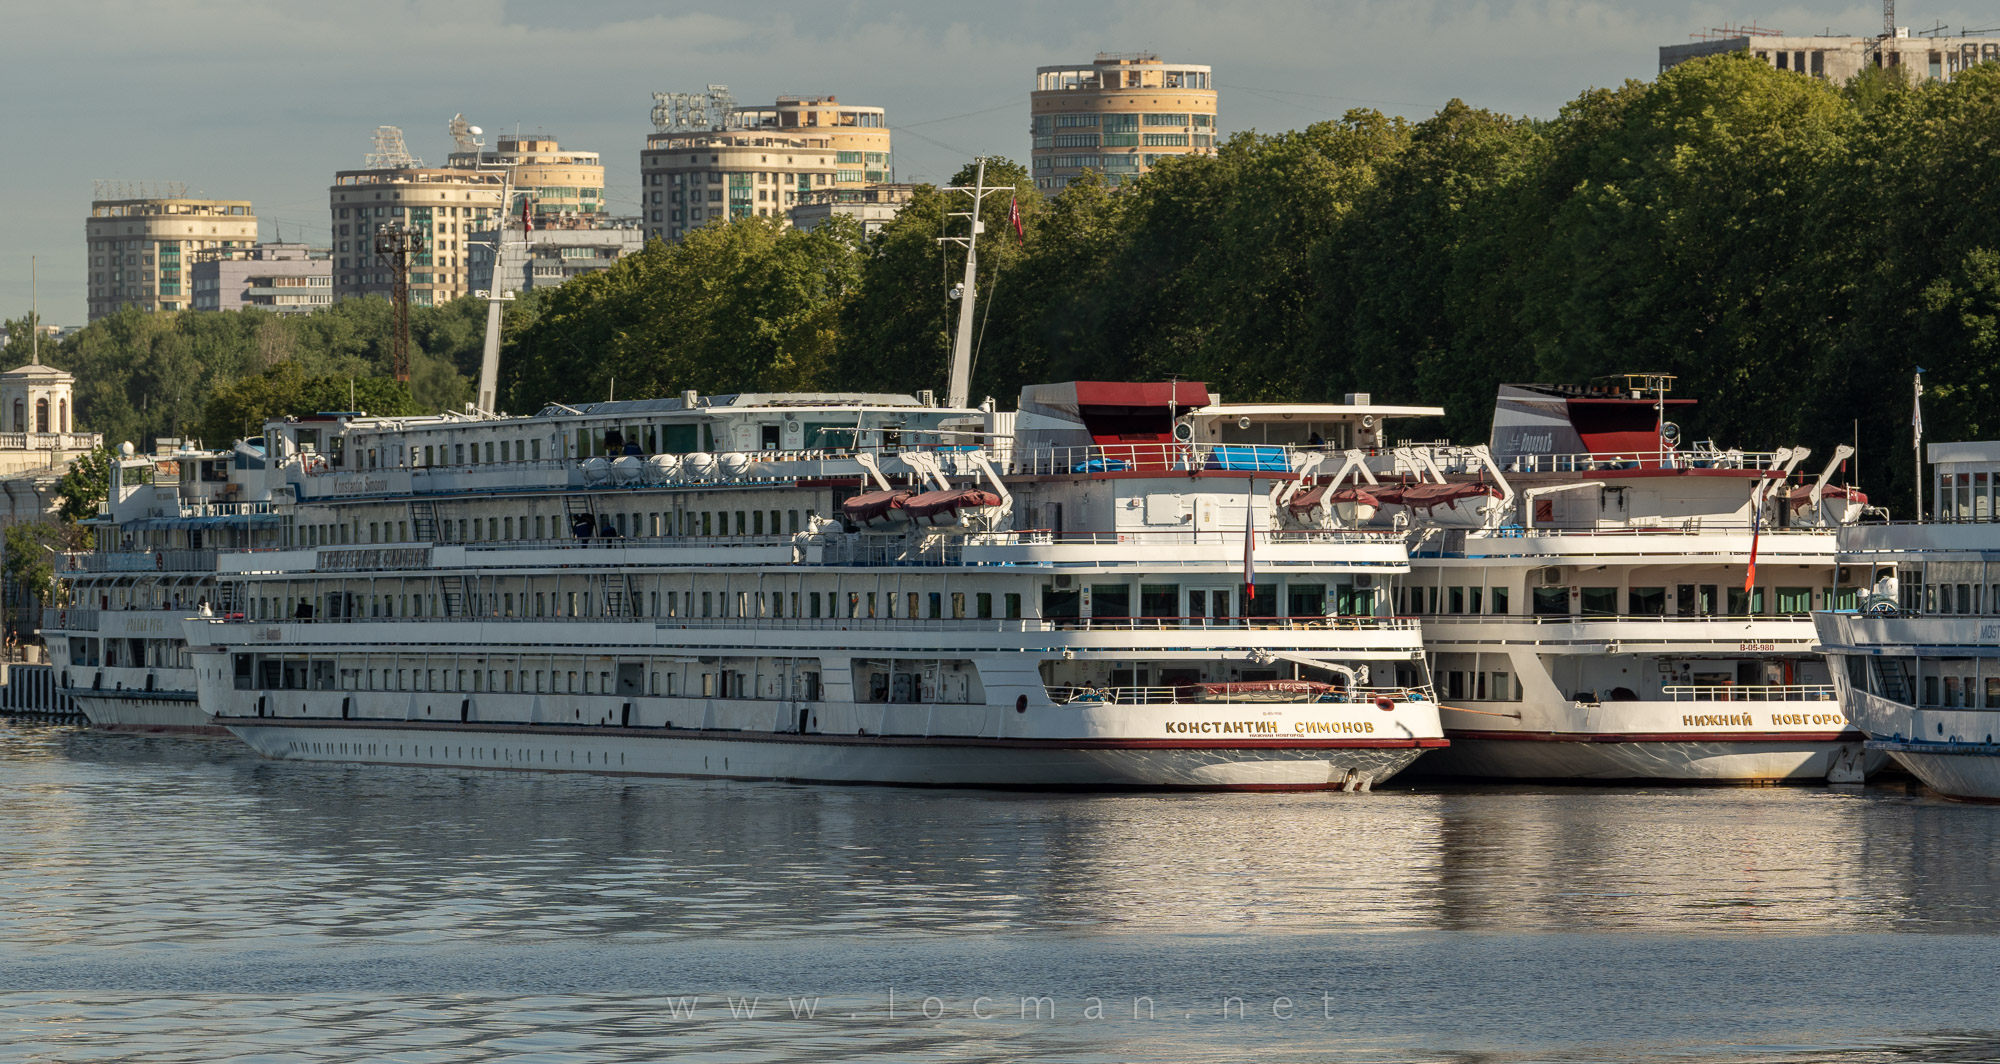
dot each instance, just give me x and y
(183, 900)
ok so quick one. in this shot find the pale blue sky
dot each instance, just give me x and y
(265, 99)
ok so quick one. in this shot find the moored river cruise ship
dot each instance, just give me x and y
(114, 630)
(1091, 592)
(1918, 664)
(1584, 586)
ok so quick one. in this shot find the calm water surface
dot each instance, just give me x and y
(182, 900)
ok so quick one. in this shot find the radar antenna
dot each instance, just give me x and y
(464, 134)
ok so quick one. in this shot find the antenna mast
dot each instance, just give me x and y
(959, 389)
(1888, 19)
(399, 241)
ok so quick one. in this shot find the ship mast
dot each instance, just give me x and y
(959, 389)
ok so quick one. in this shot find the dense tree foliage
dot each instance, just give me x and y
(1791, 249)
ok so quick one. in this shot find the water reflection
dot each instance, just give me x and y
(125, 840)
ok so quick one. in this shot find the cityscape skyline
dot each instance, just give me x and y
(276, 99)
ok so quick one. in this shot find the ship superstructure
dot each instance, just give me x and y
(1917, 659)
(1584, 582)
(1094, 591)
(114, 632)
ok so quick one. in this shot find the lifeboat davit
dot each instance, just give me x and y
(955, 507)
(1453, 505)
(878, 509)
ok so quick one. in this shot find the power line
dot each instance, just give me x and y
(1014, 102)
(1320, 96)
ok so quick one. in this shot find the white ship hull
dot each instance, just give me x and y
(1725, 742)
(1585, 757)
(1951, 750)
(909, 760)
(146, 713)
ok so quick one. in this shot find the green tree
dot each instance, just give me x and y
(87, 483)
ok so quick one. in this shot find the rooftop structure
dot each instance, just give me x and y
(1120, 115)
(548, 257)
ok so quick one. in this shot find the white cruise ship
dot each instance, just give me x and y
(1918, 665)
(1582, 585)
(115, 635)
(827, 587)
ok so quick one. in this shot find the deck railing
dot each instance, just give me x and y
(1748, 692)
(899, 624)
(1200, 694)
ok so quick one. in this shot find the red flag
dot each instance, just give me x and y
(1756, 526)
(1249, 543)
(527, 223)
(1014, 219)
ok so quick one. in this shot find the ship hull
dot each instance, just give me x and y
(1777, 758)
(164, 713)
(1965, 771)
(810, 758)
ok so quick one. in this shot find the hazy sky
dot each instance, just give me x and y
(264, 100)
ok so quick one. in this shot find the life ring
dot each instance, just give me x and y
(314, 464)
(62, 619)
(159, 561)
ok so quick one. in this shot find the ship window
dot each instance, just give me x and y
(1159, 600)
(1795, 600)
(1600, 601)
(957, 604)
(743, 526)
(985, 604)
(812, 603)
(1647, 601)
(1013, 605)
(758, 521)
(791, 521)
(1552, 600)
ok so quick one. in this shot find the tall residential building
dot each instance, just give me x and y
(555, 182)
(1119, 116)
(1936, 58)
(283, 278)
(444, 205)
(710, 160)
(140, 247)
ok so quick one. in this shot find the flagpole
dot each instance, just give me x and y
(1917, 438)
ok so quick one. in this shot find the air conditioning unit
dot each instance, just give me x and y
(1360, 399)
(1546, 576)
(1064, 581)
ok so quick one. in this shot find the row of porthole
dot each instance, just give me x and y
(356, 750)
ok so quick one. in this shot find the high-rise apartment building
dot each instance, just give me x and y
(709, 160)
(1934, 58)
(141, 247)
(443, 205)
(556, 183)
(1119, 116)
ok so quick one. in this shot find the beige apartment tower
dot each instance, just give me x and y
(555, 182)
(444, 205)
(710, 160)
(1120, 116)
(142, 248)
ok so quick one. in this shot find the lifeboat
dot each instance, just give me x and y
(662, 468)
(1355, 506)
(1453, 505)
(955, 507)
(877, 509)
(1843, 504)
(628, 469)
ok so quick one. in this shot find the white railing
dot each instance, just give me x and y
(1163, 457)
(1607, 461)
(894, 624)
(1748, 692)
(1281, 692)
